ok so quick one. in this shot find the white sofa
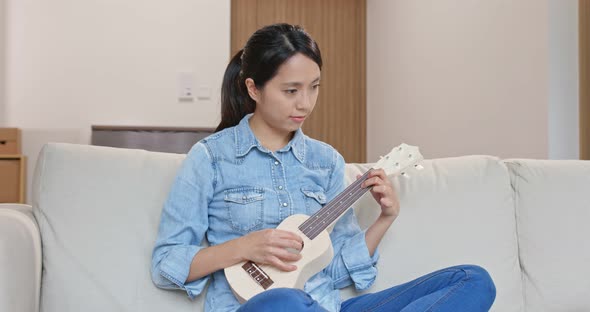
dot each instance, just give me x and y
(86, 243)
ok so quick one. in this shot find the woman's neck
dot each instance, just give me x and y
(267, 136)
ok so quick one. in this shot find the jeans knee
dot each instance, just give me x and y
(279, 299)
(482, 281)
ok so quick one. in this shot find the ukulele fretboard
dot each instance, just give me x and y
(322, 219)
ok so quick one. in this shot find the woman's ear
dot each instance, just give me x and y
(252, 90)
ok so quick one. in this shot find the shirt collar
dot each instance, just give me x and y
(246, 140)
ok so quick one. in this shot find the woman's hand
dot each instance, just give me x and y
(269, 247)
(383, 193)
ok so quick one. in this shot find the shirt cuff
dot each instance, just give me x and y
(176, 265)
(360, 265)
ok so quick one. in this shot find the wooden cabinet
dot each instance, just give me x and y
(9, 141)
(12, 178)
(12, 167)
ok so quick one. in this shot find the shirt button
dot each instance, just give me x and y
(244, 197)
(285, 204)
(280, 187)
(276, 163)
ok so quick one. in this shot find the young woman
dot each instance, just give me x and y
(238, 184)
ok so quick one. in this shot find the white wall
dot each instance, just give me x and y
(564, 121)
(72, 64)
(76, 63)
(458, 77)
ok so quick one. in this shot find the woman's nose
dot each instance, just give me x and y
(305, 101)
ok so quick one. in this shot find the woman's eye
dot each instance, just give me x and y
(316, 86)
(291, 91)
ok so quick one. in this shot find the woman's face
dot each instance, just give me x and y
(289, 97)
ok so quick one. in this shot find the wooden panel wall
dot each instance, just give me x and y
(339, 28)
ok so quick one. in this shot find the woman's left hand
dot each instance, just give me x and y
(383, 193)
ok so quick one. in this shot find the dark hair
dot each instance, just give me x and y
(266, 50)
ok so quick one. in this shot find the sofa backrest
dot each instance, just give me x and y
(553, 215)
(456, 211)
(98, 210)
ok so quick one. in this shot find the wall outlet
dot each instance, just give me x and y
(204, 93)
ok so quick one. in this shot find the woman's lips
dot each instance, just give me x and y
(298, 119)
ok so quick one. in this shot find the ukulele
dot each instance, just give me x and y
(248, 279)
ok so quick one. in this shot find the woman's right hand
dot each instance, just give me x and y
(269, 247)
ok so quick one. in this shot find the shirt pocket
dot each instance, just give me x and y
(245, 208)
(314, 197)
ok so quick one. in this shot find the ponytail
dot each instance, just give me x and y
(235, 102)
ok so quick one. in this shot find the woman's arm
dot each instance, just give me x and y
(355, 250)
(264, 247)
(385, 195)
(214, 258)
(376, 231)
(184, 223)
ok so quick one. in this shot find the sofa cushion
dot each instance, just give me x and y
(455, 211)
(98, 210)
(553, 212)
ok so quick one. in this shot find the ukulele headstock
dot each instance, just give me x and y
(400, 160)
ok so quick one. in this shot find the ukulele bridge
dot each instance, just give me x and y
(257, 274)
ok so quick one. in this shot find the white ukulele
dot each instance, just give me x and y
(248, 279)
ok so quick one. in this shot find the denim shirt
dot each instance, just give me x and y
(230, 185)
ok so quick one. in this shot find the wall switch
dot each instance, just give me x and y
(186, 81)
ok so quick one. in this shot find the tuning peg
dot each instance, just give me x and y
(418, 167)
(405, 175)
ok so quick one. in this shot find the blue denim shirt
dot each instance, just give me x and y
(230, 185)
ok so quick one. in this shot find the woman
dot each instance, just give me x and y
(238, 184)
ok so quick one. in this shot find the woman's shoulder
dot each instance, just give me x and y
(214, 144)
(321, 154)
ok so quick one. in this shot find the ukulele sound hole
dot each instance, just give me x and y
(295, 251)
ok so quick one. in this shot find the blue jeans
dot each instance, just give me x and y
(459, 288)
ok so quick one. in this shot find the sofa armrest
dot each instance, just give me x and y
(20, 259)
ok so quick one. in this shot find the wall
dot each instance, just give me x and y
(564, 134)
(454, 77)
(458, 77)
(73, 64)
